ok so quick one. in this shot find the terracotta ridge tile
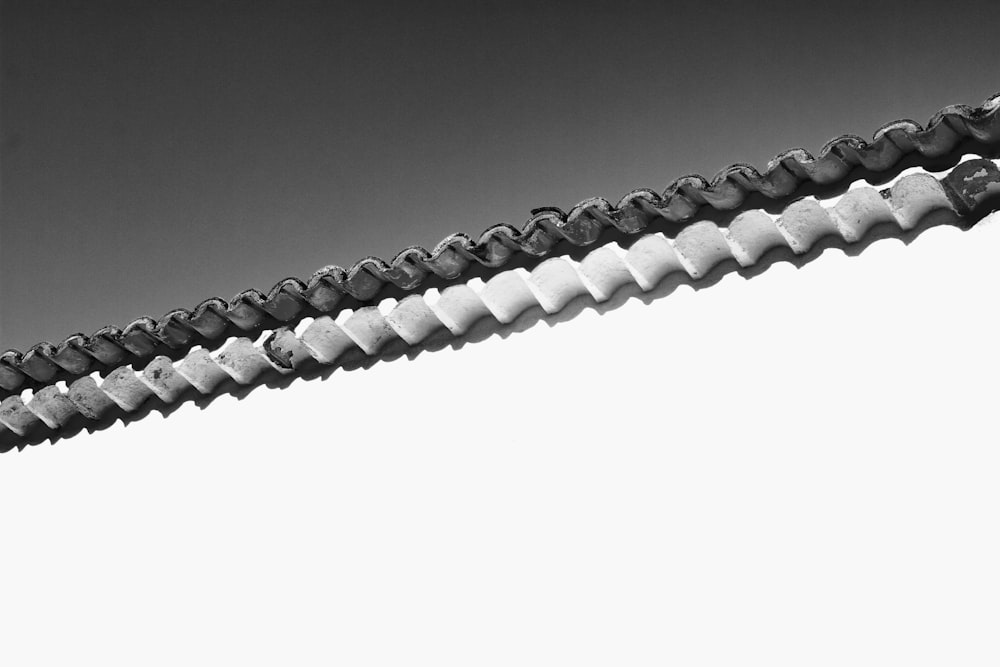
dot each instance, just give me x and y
(330, 288)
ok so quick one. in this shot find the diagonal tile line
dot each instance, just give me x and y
(960, 197)
(333, 287)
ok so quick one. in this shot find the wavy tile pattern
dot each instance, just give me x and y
(291, 299)
(552, 285)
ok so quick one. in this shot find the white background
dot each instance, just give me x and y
(797, 469)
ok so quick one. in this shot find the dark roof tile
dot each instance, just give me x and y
(292, 299)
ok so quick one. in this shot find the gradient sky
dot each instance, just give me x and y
(157, 153)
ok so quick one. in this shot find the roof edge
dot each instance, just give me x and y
(331, 287)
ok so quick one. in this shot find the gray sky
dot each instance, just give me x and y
(157, 153)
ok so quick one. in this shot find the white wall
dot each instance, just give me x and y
(800, 468)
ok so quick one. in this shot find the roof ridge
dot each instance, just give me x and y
(603, 278)
(291, 299)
